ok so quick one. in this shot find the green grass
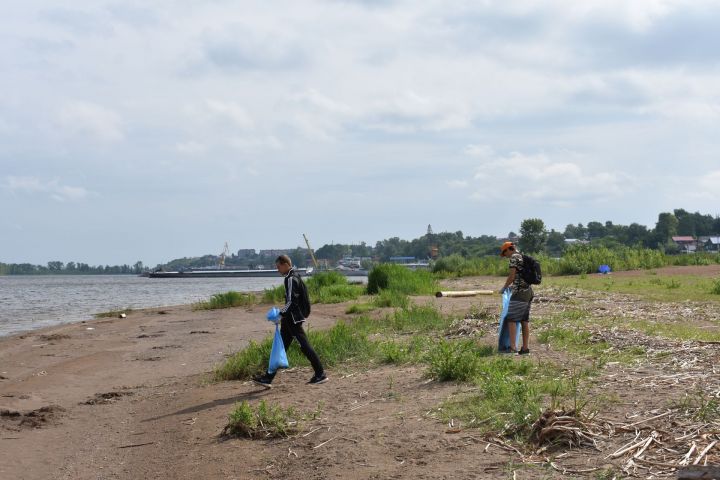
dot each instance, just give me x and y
(391, 298)
(650, 286)
(457, 360)
(676, 331)
(227, 300)
(512, 394)
(342, 343)
(401, 279)
(265, 421)
(357, 308)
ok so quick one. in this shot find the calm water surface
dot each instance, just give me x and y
(33, 301)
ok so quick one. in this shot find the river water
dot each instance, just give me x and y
(36, 301)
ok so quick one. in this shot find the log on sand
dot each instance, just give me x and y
(465, 293)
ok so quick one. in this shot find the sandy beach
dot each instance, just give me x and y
(133, 398)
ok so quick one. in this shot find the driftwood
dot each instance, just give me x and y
(465, 293)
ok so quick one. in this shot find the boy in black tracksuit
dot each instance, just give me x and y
(291, 323)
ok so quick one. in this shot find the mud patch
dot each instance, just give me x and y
(162, 347)
(106, 398)
(53, 337)
(150, 335)
(200, 331)
(42, 417)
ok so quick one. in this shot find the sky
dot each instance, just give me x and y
(147, 131)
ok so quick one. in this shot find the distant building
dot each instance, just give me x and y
(710, 244)
(246, 252)
(403, 260)
(274, 252)
(575, 241)
(686, 244)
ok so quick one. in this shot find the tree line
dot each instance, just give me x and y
(533, 237)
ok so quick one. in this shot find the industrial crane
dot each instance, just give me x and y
(225, 253)
(312, 254)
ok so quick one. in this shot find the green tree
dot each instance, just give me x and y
(532, 235)
(665, 228)
(555, 243)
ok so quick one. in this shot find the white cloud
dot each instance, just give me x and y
(538, 178)
(86, 119)
(52, 188)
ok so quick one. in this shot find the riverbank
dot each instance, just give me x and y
(133, 398)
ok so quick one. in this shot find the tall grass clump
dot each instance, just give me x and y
(715, 288)
(332, 287)
(227, 300)
(388, 276)
(456, 360)
(265, 421)
(391, 298)
(274, 295)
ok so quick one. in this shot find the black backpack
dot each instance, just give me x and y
(531, 271)
(303, 297)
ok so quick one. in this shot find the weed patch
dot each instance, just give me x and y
(265, 421)
(227, 300)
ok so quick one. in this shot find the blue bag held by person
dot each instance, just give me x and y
(273, 315)
(503, 331)
(278, 357)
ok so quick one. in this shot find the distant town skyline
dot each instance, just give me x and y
(149, 132)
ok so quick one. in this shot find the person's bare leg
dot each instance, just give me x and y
(512, 330)
(525, 334)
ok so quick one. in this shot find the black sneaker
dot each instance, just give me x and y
(524, 351)
(263, 380)
(318, 379)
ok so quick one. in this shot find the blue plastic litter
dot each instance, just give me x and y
(503, 330)
(604, 269)
(278, 357)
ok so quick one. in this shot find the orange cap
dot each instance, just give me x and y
(505, 246)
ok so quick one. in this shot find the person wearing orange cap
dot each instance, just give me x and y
(522, 295)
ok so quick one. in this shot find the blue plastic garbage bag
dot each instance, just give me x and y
(273, 315)
(278, 357)
(604, 269)
(503, 330)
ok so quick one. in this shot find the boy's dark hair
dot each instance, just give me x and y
(284, 259)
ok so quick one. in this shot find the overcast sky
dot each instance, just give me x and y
(149, 131)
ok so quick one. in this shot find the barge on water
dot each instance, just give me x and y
(225, 272)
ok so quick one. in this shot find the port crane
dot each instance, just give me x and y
(225, 253)
(312, 254)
